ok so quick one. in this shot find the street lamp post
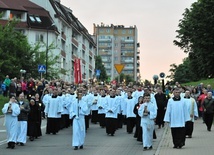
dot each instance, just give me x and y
(46, 56)
(22, 71)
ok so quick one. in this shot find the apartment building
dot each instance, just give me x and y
(51, 22)
(117, 44)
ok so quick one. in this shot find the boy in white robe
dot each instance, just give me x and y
(148, 113)
(77, 112)
(11, 111)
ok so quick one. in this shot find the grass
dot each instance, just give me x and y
(3, 100)
(205, 82)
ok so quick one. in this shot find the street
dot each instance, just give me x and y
(97, 143)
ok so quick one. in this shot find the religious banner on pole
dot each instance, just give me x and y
(77, 71)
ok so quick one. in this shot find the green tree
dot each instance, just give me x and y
(14, 50)
(99, 66)
(125, 78)
(196, 37)
(16, 53)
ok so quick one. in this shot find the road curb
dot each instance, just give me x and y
(162, 139)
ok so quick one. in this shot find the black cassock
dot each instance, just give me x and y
(161, 104)
(33, 121)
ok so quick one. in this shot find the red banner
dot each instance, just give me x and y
(77, 71)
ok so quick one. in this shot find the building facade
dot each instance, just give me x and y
(51, 22)
(117, 44)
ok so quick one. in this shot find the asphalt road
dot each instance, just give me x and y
(97, 143)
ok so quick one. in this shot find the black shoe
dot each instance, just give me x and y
(8, 145)
(190, 136)
(145, 148)
(75, 148)
(112, 134)
(180, 146)
(150, 147)
(22, 144)
(12, 145)
(31, 138)
(81, 147)
(17, 143)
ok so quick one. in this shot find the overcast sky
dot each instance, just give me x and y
(156, 21)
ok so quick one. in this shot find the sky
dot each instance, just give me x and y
(156, 21)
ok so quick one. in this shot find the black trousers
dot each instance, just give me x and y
(102, 120)
(119, 121)
(87, 118)
(64, 122)
(111, 125)
(94, 116)
(53, 125)
(178, 136)
(131, 122)
(208, 119)
(189, 128)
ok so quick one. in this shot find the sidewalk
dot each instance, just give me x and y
(202, 142)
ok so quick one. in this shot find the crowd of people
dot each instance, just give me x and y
(138, 108)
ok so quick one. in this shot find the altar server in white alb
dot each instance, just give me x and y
(102, 103)
(22, 120)
(11, 110)
(94, 107)
(53, 110)
(131, 117)
(193, 112)
(148, 113)
(177, 115)
(111, 113)
(77, 112)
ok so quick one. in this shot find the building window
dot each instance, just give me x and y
(101, 31)
(130, 31)
(32, 18)
(108, 30)
(39, 38)
(102, 37)
(38, 19)
(123, 31)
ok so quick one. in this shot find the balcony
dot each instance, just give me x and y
(63, 53)
(73, 57)
(90, 67)
(63, 36)
(83, 47)
(129, 67)
(83, 61)
(90, 53)
(107, 67)
(127, 41)
(75, 42)
(105, 40)
(128, 61)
